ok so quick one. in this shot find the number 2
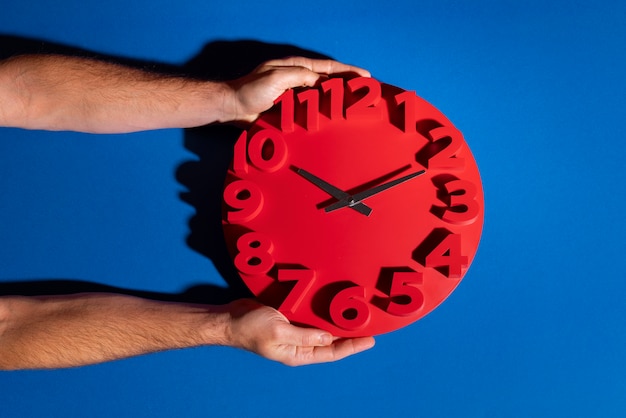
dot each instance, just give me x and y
(446, 157)
(367, 106)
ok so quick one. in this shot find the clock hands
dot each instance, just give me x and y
(334, 191)
(351, 201)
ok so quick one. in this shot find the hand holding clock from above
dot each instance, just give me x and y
(257, 91)
(63, 93)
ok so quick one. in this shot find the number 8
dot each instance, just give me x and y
(255, 254)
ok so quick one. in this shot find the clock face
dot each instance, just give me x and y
(354, 207)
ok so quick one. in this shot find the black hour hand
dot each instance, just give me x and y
(335, 192)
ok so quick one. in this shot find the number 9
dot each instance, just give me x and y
(246, 197)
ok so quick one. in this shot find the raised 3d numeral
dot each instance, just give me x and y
(255, 254)
(311, 99)
(367, 106)
(463, 209)
(405, 296)
(448, 141)
(304, 282)
(349, 309)
(335, 89)
(287, 111)
(246, 198)
(409, 100)
(447, 256)
(267, 150)
(240, 154)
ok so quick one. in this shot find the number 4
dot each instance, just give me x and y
(448, 254)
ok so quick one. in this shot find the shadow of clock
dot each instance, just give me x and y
(202, 177)
(213, 146)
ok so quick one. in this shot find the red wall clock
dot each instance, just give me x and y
(355, 207)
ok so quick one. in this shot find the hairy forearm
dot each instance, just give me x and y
(68, 93)
(68, 331)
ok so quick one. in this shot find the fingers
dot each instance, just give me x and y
(343, 348)
(290, 77)
(304, 72)
(319, 66)
(338, 350)
(306, 337)
(256, 92)
(311, 346)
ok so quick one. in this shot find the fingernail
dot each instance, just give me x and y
(326, 339)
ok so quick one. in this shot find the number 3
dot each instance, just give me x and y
(463, 208)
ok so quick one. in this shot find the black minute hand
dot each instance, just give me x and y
(351, 201)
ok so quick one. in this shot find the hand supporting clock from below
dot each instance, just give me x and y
(55, 92)
(77, 330)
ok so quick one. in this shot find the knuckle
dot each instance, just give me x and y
(276, 332)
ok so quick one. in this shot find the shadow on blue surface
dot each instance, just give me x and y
(202, 177)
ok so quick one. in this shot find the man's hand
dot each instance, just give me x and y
(54, 92)
(256, 92)
(265, 331)
(76, 330)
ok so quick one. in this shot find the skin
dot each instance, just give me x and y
(75, 94)
(67, 93)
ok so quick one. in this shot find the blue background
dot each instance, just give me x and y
(535, 329)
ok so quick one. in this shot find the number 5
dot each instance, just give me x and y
(404, 286)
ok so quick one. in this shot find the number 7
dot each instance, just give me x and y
(304, 281)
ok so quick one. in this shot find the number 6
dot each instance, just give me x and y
(349, 310)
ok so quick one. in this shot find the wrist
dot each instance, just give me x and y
(225, 107)
(237, 331)
(216, 326)
(203, 103)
